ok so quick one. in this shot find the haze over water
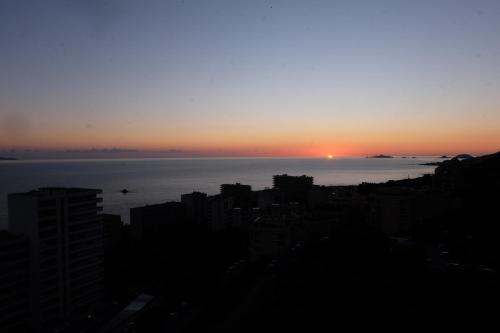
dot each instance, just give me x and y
(159, 180)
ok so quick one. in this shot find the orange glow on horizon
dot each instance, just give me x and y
(345, 138)
(267, 145)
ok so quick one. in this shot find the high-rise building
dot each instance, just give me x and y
(218, 211)
(292, 183)
(268, 197)
(149, 224)
(196, 207)
(64, 228)
(294, 188)
(241, 195)
(14, 284)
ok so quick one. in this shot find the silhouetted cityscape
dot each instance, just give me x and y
(188, 166)
(413, 254)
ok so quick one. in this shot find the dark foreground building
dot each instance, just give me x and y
(294, 188)
(14, 283)
(65, 234)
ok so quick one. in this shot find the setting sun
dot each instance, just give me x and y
(330, 156)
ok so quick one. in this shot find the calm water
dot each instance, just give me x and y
(158, 180)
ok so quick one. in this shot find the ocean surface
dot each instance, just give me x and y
(159, 180)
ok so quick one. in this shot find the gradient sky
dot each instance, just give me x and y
(231, 77)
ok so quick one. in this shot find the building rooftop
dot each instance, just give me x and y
(128, 314)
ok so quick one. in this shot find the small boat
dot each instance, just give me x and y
(124, 191)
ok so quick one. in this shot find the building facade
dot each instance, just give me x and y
(14, 283)
(196, 207)
(65, 232)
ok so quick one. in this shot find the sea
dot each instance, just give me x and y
(153, 181)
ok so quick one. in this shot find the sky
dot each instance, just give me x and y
(250, 78)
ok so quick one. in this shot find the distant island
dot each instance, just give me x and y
(380, 156)
(7, 159)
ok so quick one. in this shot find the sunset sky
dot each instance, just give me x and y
(251, 78)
